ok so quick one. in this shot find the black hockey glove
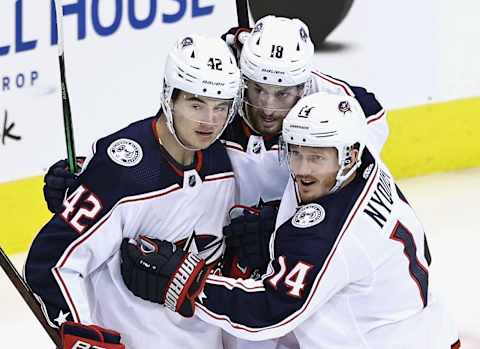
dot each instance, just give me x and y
(158, 271)
(57, 181)
(248, 237)
(76, 336)
(235, 38)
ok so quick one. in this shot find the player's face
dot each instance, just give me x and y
(198, 120)
(267, 105)
(315, 170)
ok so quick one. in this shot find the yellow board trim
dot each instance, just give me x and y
(22, 213)
(433, 138)
(424, 139)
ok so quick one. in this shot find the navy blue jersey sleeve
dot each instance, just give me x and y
(286, 296)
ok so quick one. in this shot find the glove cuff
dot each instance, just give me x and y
(178, 288)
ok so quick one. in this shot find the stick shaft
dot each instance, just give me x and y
(67, 113)
(22, 288)
(242, 13)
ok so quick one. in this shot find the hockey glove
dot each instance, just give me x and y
(248, 238)
(235, 38)
(57, 180)
(75, 336)
(157, 271)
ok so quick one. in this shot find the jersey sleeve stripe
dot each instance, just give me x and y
(66, 294)
(233, 145)
(287, 323)
(336, 82)
(219, 176)
(376, 117)
(247, 285)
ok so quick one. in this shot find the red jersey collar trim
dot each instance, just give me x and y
(177, 168)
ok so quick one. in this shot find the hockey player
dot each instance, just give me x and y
(347, 266)
(165, 175)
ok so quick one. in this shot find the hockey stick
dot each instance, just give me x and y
(27, 296)
(67, 113)
(242, 14)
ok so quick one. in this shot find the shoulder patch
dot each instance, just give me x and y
(308, 215)
(125, 152)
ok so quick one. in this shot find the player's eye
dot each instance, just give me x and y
(283, 94)
(316, 158)
(220, 109)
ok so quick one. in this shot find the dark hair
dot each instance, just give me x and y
(175, 94)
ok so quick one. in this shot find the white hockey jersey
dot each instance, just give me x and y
(347, 271)
(260, 176)
(130, 187)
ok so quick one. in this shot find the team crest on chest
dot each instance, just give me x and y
(308, 216)
(125, 152)
(205, 245)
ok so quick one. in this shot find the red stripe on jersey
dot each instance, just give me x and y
(154, 129)
(233, 146)
(373, 118)
(219, 178)
(199, 154)
(335, 82)
(64, 287)
(175, 169)
(198, 166)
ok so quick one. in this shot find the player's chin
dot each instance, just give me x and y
(270, 127)
(203, 139)
(309, 190)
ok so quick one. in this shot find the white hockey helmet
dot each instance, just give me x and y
(202, 66)
(327, 120)
(278, 51)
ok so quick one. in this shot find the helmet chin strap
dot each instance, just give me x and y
(246, 119)
(341, 178)
(171, 127)
(180, 142)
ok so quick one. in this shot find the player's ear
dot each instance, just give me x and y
(354, 157)
(353, 160)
